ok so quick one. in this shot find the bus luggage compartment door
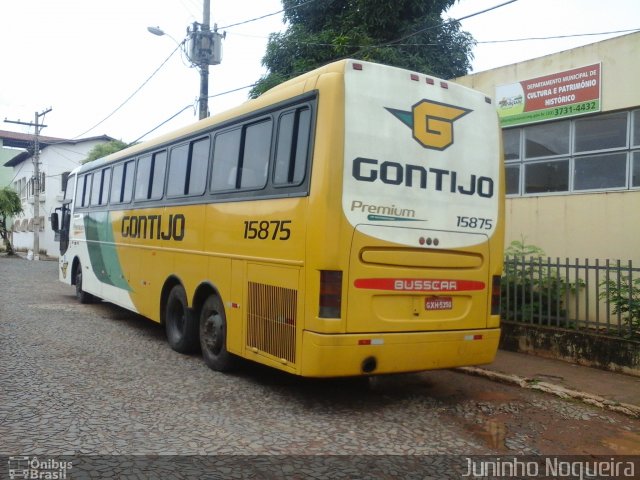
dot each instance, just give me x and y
(404, 289)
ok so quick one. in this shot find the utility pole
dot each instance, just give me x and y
(205, 50)
(36, 177)
(203, 104)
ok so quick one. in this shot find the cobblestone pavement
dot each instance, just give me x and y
(96, 379)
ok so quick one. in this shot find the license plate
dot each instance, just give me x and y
(438, 303)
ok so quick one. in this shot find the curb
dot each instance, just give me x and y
(557, 390)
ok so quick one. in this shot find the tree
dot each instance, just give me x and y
(10, 205)
(104, 149)
(404, 33)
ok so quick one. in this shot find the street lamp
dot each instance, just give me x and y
(157, 31)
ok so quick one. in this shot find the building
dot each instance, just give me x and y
(7, 153)
(571, 126)
(57, 158)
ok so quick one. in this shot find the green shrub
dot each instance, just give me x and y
(623, 297)
(535, 289)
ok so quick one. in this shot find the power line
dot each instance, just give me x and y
(161, 124)
(188, 9)
(16, 175)
(393, 43)
(525, 39)
(232, 91)
(189, 106)
(453, 20)
(133, 94)
(558, 36)
(269, 15)
(62, 155)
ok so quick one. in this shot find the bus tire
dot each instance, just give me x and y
(82, 296)
(180, 326)
(213, 336)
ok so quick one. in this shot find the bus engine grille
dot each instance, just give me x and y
(271, 316)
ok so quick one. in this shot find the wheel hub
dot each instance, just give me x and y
(213, 332)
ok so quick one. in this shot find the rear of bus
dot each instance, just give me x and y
(407, 268)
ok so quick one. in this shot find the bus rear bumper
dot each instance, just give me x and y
(340, 355)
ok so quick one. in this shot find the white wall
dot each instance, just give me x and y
(54, 160)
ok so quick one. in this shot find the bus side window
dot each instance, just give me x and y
(80, 191)
(85, 191)
(188, 168)
(292, 147)
(106, 178)
(127, 187)
(116, 183)
(199, 161)
(178, 170)
(64, 183)
(255, 155)
(226, 152)
(143, 175)
(158, 169)
(100, 187)
(95, 188)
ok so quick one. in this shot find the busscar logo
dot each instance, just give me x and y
(431, 122)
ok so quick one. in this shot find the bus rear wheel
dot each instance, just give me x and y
(81, 295)
(180, 326)
(213, 336)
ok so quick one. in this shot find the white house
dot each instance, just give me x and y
(57, 158)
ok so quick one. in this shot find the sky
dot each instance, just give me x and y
(84, 58)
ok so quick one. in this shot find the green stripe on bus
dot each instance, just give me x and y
(102, 250)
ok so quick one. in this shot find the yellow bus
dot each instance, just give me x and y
(347, 222)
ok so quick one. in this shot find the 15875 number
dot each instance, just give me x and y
(475, 222)
(265, 229)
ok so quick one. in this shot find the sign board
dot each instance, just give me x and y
(562, 94)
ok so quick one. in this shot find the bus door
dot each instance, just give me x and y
(60, 222)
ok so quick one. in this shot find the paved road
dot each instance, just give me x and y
(96, 379)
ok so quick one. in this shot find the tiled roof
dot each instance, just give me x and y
(25, 140)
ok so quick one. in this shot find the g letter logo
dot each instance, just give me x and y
(431, 122)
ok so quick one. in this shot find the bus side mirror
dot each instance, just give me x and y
(55, 226)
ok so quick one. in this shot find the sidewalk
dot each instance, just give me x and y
(615, 391)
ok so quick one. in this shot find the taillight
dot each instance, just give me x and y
(330, 293)
(495, 295)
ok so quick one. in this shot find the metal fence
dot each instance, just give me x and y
(598, 297)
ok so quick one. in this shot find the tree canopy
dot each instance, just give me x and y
(104, 149)
(404, 33)
(10, 205)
